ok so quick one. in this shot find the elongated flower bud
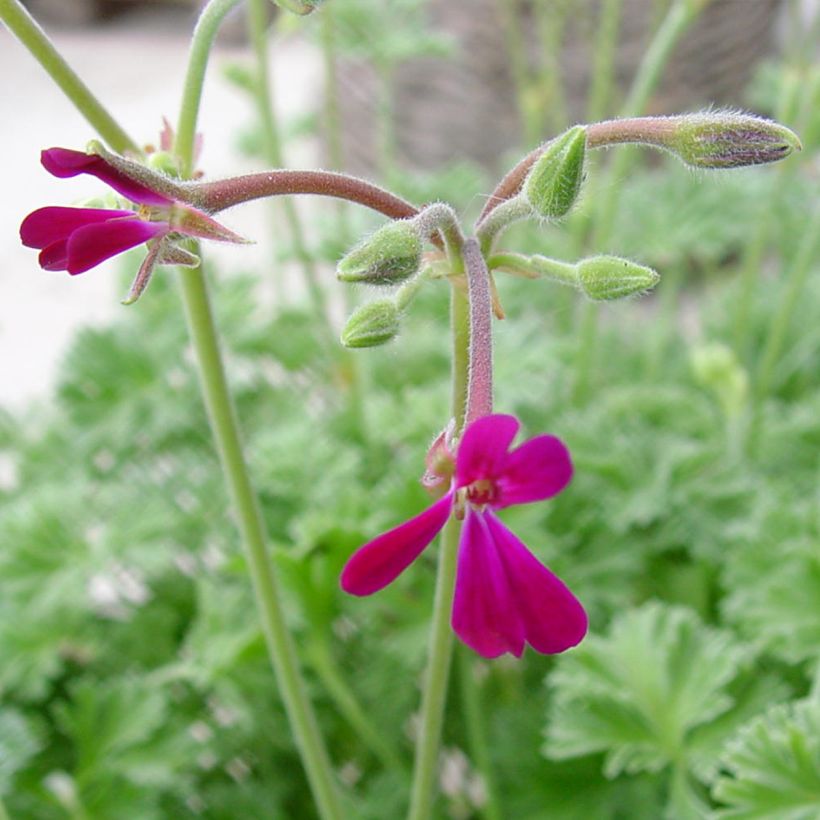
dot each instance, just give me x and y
(719, 139)
(553, 183)
(605, 278)
(387, 257)
(372, 324)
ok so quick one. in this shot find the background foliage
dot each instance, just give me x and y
(133, 677)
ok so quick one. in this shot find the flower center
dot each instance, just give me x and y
(482, 492)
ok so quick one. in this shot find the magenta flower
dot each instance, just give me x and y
(504, 597)
(77, 239)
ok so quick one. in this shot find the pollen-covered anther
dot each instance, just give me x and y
(481, 492)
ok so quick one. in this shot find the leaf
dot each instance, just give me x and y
(639, 693)
(773, 766)
(18, 744)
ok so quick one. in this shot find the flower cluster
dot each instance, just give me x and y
(504, 597)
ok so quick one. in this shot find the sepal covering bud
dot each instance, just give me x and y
(386, 257)
(372, 324)
(725, 139)
(605, 278)
(553, 183)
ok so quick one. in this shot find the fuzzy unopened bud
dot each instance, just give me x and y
(716, 139)
(386, 257)
(605, 278)
(372, 324)
(716, 367)
(553, 183)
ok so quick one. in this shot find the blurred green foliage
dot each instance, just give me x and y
(133, 676)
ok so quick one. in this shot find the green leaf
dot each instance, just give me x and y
(18, 744)
(774, 766)
(640, 692)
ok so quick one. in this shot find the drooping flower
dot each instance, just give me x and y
(504, 597)
(77, 239)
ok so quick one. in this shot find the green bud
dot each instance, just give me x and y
(604, 278)
(164, 162)
(724, 139)
(372, 324)
(387, 257)
(717, 368)
(553, 183)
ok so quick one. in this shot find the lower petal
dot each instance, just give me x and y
(92, 244)
(383, 559)
(54, 256)
(45, 226)
(485, 612)
(553, 618)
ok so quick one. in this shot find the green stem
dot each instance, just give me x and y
(201, 43)
(441, 636)
(327, 670)
(4, 815)
(436, 678)
(280, 645)
(551, 19)
(23, 26)
(516, 54)
(225, 428)
(476, 734)
(779, 326)
(257, 28)
(599, 103)
(681, 15)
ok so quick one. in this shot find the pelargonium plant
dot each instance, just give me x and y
(497, 596)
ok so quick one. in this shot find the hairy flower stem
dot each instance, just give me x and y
(257, 29)
(440, 650)
(476, 734)
(202, 41)
(225, 428)
(471, 317)
(23, 26)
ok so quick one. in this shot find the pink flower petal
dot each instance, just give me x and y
(92, 244)
(383, 559)
(540, 468)
(63, 163)
(54, 256)
(485, 612)
(482, 451)
(45, 226)
(553, 619)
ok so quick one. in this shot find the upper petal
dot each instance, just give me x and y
(485, 612)
(540, 468)
(46, 226)
(92, 244)
(383, 559)
(553, 618)
(482, 451)
(63, 162)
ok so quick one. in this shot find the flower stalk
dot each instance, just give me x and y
(23, 26)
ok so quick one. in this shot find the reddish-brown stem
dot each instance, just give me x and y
(647, 130)
(221, 194)
(480, 374)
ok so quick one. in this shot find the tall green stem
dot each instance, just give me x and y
(280, 645)
(4, 815)
(476, 734)
(225, 428)
(257, 27)
(776, 336)
(441, 637)
(681, 15)
(202, 41)
(551, 20)
(606, 39)
(23, 26)
(517, 56)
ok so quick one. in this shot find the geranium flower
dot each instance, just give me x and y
(77, 239)
(504, 597)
